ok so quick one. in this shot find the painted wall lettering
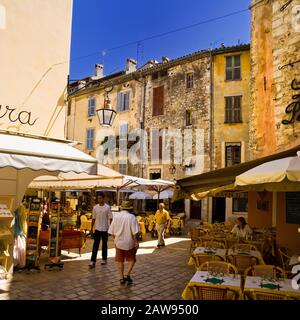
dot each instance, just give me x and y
(23, 117)
(293, 109)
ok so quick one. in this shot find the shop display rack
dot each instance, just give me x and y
(33, 231)
(55, 237)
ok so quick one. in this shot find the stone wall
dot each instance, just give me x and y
(275, 42)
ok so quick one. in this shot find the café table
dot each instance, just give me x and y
(232, 282)
(209, 251)
(254, 253)
(282, 286)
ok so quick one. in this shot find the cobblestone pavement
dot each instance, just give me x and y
(158, 274)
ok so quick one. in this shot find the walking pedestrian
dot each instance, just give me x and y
(162, 219)
(125, 229)
(101, 219)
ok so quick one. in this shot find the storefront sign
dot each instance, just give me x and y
(293, 109)
(23, 117)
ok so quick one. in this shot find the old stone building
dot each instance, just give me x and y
(275, 63)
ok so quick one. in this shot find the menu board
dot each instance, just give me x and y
(33, 223)
(293, 207)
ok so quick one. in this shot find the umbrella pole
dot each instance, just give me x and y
(118, 196)
(158, 194)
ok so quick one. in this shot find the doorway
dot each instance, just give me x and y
(218, 209)
(195, 209)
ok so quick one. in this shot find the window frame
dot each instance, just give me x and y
(89, 106)
(189, 80)
(121, 101)
(233, 67)
(233, 144)
(159, 108)
(87, 139)
(190, 122)
(230, 113)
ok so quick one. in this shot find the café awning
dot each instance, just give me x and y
(21, 151)
(226, 176)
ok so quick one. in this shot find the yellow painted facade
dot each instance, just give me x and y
(230, 132)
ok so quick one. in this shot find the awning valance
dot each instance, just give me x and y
(226, 176)
(22, 151)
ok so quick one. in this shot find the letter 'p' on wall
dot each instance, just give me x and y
(2, 17)
(296, 17)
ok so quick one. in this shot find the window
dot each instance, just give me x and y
(163, 73)
(233, 68)
(90, 134)
(189, 80)
(233, 154)
(154, 76)
(158, 101)
(188, 118)
(156, 145)
(233, 109)
(154, 174)
(91, 107)
(240, 204)
(123, 168)
(123, 101)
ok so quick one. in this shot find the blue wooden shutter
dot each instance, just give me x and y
(127, 100)
(118, 102)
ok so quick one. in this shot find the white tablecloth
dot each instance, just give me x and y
(295, 259)
(201, 250)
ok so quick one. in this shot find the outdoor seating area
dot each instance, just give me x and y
(228, 267)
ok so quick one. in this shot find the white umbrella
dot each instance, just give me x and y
(164, 195)
(276, 175)
(140, 196)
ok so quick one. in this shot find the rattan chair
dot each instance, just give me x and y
(244, 246)
(261, 295)
(195, 241)
(200, 258)
(265, 270)
(242, 262)
(214, 244)
(230, 241)
(218, 266)
(207, 292)
(285, 256)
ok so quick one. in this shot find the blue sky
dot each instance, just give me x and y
(99, 25)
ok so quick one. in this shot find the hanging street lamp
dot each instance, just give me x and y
(106, 115)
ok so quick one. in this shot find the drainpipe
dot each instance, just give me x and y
(211, 138)
(142, 118)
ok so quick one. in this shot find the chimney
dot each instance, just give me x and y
(165, 59)
(130, 65)
(98, 70)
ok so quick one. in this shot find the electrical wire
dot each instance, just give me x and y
(161, 34)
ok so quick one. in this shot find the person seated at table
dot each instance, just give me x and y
(242, 228)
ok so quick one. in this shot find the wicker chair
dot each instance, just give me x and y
(242, 262)
(214, 244)
(207, 292)
(264, 270)
(218, 266)
(201, 258)
(245, 246)
(195, 241)
(231, 241)
(260, 295)
(285, 256)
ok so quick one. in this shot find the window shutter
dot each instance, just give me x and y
(161, 101)
(118, 102)
(155, 102)
(127, 100)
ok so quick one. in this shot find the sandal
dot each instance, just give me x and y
(122, 281)
(128, 279)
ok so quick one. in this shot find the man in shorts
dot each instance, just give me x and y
(125, 228)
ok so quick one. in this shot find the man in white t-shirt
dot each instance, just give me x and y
(125, 229)
(101, 219)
